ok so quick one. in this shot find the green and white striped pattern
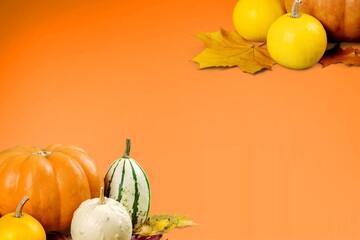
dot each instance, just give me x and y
(127, 183)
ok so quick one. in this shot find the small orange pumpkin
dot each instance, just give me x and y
(340, 18)
(57, 179)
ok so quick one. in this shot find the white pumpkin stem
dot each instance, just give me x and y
(102, 197)
(295, 9)
(18, 211)
(127, 149)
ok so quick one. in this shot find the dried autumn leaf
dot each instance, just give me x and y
(160, 224)
(56, 236)
(229, 49)
(349, 56)
(174, 221)
(155, 237)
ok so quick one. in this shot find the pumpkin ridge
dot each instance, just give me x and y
(25, 149)
(90, 169)
(61, 148)
(3, 167)
(35, 170)
(148, 187)
(17, 151)
(52, 148)
(108, 187)
(21, 169)
(136, 198)
(74, 164)
(8, 159)
(56, 185)
(342, 21)
(119, 197)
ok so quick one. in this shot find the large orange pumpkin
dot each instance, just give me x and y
(57, 179)
(340, 18)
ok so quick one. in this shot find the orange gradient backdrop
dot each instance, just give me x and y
(271, 156)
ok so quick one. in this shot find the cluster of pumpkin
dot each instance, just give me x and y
(297, 39)
(65, 191)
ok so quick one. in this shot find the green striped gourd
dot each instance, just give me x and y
(126, 182)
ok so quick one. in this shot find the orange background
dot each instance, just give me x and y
(270, 156)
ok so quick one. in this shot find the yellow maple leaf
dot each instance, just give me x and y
(229, 49)
(160, 224)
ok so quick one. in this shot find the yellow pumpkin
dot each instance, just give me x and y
(57, 179)
(252, 18)
(18, 225)
(340, 18)
(296, 40)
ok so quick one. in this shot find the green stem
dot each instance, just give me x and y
(127, 149)
(18, 212)
(295, 9)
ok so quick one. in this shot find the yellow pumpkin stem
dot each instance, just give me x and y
(127, 149)
(18, 212)
(295, 9)
(102, 197)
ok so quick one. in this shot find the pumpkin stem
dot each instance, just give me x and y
(18, 212)
(102, 197)
(295, 9)
(127, 149)
(42, 153)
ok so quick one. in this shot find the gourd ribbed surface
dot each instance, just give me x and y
(127, 183)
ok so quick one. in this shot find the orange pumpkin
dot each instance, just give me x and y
(57, 179)
(340, 18)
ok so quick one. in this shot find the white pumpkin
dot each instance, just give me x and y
(101, 219)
